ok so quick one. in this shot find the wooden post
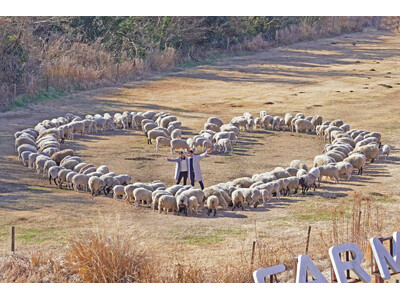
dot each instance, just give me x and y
(12, 238)
(308, 238)
(252, 253)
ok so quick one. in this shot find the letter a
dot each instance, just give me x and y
(305, 264)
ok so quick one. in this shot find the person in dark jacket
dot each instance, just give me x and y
(181, 168)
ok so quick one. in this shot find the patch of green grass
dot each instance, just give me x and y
(393, 126)
(24, 100)
(198, 237)
(37, 236)
(201, 240)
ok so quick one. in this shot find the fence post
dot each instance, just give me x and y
(12, 239)
(308, 238)
(252, 253)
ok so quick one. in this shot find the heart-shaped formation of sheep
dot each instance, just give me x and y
(40, 148)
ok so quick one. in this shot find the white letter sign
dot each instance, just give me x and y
(355, 264)
(305, 264)
(260, 274)
(383, 257)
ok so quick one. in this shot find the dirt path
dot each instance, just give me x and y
(332, 77)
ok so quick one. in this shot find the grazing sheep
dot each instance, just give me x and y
(292, 184)
(216, 121)
(344, 168)
(237, 199)
(58, 157)
(84, 168)
(298, 164)
(358, 161)
(212, 204)
(148, 126)
(176, 134)
(24, 158)
(280, 172)
(317, 174)
(179, 144)
(62, 176)
(307, 181)
(243, 182)
(316, 120)
(182, 203)
(212, 126)
(335, 155)
(301, 172)
(95, 185)
(80, 181)
(103, 169)
(52, 173)
(70, 164)
(337, 123)
(142, 194)
(163, 141)
(47, 165)
(40, 162)
(321, 160)
(167, 203)
(118, 190)
(193, 205)
(230, 127)
(24, 140)
(385, 151)
(330, 171)
(154, 133)
(224, 145)
(155, 197)
(304, 125)
(292, 171)
(370, 151)
(26, 147)
(123, 179)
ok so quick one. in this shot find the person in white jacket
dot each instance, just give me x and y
(194, 167)
(182, 167)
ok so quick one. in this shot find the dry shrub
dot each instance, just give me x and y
(256, 44)
(34, 266)
(98, 256)
(161, 60)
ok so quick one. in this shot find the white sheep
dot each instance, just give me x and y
(193, 205)
(176, 134)
(216, 121)
(237, 199)
(124, 179)
(298, 164)
(330, 171)
(142, 194)
(103, 169)
(358, 161)
(179, 144)
(385, 151)
(304, 125)
(118, 190)
(52, 173)
(344, 168)
(167, 203)
(321, 160)
(224, 145)
(80, 181)
(95, 185)
(212, 204)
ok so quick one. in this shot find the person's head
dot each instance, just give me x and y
(191, 153)
(182, 154)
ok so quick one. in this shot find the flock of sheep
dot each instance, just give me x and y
(39, 148)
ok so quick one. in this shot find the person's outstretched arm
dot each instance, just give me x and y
(205, 154)
(171, 159)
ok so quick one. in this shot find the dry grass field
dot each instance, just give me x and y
(354, 77)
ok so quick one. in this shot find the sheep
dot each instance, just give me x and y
(224, 145)
(179, 144)
(40, 162)
(24, 158)
(77, 158)
(230, 127)
(266, 121)
(321, 160)
(251, 195)
(307, 181)
(118, 190)
(292, 184)
(174, 188)
(237, 199)
(96, 174)
(212, 126)
(212, 204)
(154, 133)
(216, 121)
(280, 172)
(330, 171)
(109, 183)
(298, 164)
(345, 127)
(385, 151)
(79, 127)
(103, 169)
(164, 122)
(218, 192)
(257, 123)
(147, 127)
(376, 135)
(58, 157)
(142, 194)
(149, 114)
(68, 179)
(62, 176)
(272, 187)
(301, 172)
(24, 140)
(335, 155)
(176, 134)
(276, 122)
(317, 173)
(136, 121)
(370, 151)
(70, 164)
(26, 147)
(47, 165)
(207, 144)
(123, 179)
(155, 197)
(101, 123)
(288, 119)
(182, 203)
(193, 205)
(243, 182)
(162, 141)
(292, 171)
(195, 192)
(316, 120)
(344, 168)
(304, 125)
(167, 202)
(85, 167)
(337, 123)
(80, 181)
(52, 173)
(95, 185)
